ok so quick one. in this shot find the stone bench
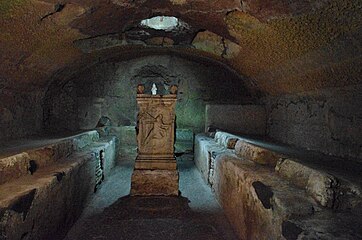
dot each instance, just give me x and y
(267, 195)
(205, 151)
(255, 200)
(22, 163)
(256, 153)
(261, 205)
(45, 204)
(329, 190)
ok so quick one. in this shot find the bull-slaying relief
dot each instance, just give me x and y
(155, 131)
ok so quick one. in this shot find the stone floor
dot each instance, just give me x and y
(112, 214)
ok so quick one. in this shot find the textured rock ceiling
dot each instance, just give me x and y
(280, 46)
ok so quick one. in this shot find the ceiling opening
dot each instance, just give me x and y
(165, 23)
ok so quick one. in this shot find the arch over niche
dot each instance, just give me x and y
(108, 88)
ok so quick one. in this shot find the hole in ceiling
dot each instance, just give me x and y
(165, 23)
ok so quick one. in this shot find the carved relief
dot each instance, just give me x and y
(155, 167)
(156, 124)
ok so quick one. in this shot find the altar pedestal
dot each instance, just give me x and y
(155, 170)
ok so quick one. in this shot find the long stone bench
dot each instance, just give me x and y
(332, 191)
(45, 204)
(268, 195)
(18, 164)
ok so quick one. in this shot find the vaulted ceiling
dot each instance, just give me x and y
(279, 46)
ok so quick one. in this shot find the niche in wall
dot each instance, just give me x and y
(108, 89)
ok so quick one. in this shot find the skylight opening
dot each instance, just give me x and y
(165, 23)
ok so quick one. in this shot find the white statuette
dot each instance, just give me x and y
(154, 89)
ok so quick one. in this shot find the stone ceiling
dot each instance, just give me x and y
(279, 46)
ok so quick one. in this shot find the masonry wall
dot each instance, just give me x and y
(328, 120)
(109, 89)
(21, 113)
(243, 119)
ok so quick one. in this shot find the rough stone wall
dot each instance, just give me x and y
(329, 121)
(282, 46)
(21, 113)
(109, 89)
(245, 119)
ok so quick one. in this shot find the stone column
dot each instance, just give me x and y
(155, 170)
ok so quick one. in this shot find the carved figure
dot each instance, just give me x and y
(154, 89)
(158, 130)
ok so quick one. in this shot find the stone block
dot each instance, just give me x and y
(209, 42)
(321, 186)
(51, 153)
(153, 164)
(13, 167)
(256, 154)
(204, 147)
(226, 139)
(160, 41)
(36, 205)
(84, 139)
(255, 200)
(128, 136)
(155, 171)
(18, 165)
(328, 190)
(155, 182)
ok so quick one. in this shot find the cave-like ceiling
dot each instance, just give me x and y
(279, 46)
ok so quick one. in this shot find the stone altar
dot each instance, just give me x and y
(155, 171)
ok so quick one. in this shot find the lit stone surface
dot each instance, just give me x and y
(16, 165)
(328, 190)
(292, 201)
(209, 42)
(255, 153)
(161, 23)
(154, 182)
(285, 70)
(260, 205)
(255, 201)
(45, 204)
(155, 168)
(112, 214)
(224, 138)
(203, 154)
